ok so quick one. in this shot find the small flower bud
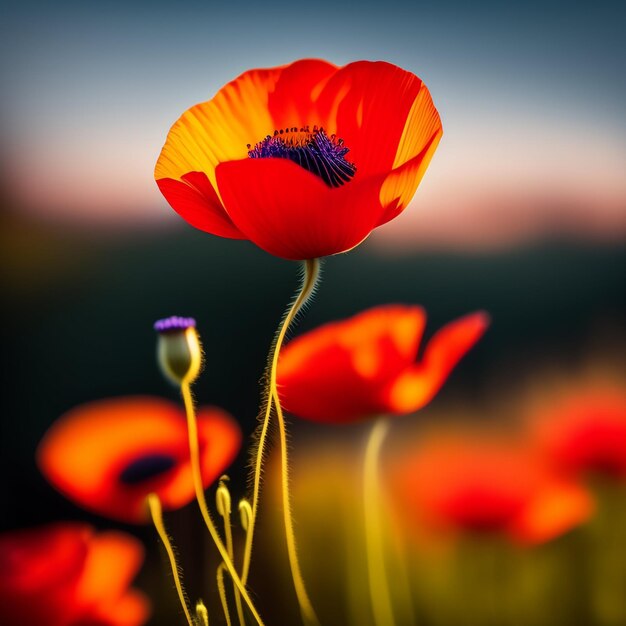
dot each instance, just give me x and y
(245, 513)
(178, 350)
(202, 614)
(222, 498)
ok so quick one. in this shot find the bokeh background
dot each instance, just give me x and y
(522, 213)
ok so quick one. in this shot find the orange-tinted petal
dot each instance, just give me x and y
(97, 453)
(195, 200)
(131, 609)
(219, 130)
(243, 112)
(113, 561)
(39, 573)
(556, 508)
(421, 129)
(401, 184)
(367, 104)
(335, 373)
(292, 213)
(417, 386)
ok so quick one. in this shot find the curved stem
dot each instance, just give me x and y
(221, 588)
(224, 509)
(306, 608)
(377, 575)
(202, 615)
(309, 282)
(192, 427)
(154, 504)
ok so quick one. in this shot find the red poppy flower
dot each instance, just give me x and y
(489, 487)
(585, 431)
(68, 575)
(304, 160)
(366, 365)
(107, 456)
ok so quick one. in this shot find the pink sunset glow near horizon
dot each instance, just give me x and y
(489, 183)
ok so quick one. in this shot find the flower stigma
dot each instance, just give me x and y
(174, 323)
(313, 150)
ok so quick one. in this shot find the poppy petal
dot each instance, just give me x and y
(220, 129)
(422, 125)
(113, 560)
(334, 372)
(464, 483)
(39, 573)
(195, 200)
(291, 213)
(292, 101)
(419, 384)
(556, 509)
(585, 431)
(109, 455)
(131, 609)
(478, 484)
(401, 184)
(367, 104)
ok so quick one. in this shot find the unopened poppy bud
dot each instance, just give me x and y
(178, 350)
(202, 614)
(222, 498)
(245, 513)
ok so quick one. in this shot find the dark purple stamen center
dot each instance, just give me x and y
(174, 323)
(146, 467)
(313, 150)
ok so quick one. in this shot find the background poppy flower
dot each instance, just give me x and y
(489, 487)
(107, 456)
(66, 574)
(336, 152)
(366, 365)
(585, 432)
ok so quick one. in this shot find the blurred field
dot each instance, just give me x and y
(80, 308)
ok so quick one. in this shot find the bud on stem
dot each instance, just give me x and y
(179, 352)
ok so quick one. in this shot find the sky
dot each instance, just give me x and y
(532, 98)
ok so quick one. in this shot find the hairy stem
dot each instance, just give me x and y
(308, 613)
(309, 282)
(223, 501)
(221, 588)
(202, 615)
(192, 427)
(154, 504)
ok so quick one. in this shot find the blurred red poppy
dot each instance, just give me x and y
(482, 486)
(66, 574)
(585, 431)
(366, 365)
(107, 456)
(304, 160)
